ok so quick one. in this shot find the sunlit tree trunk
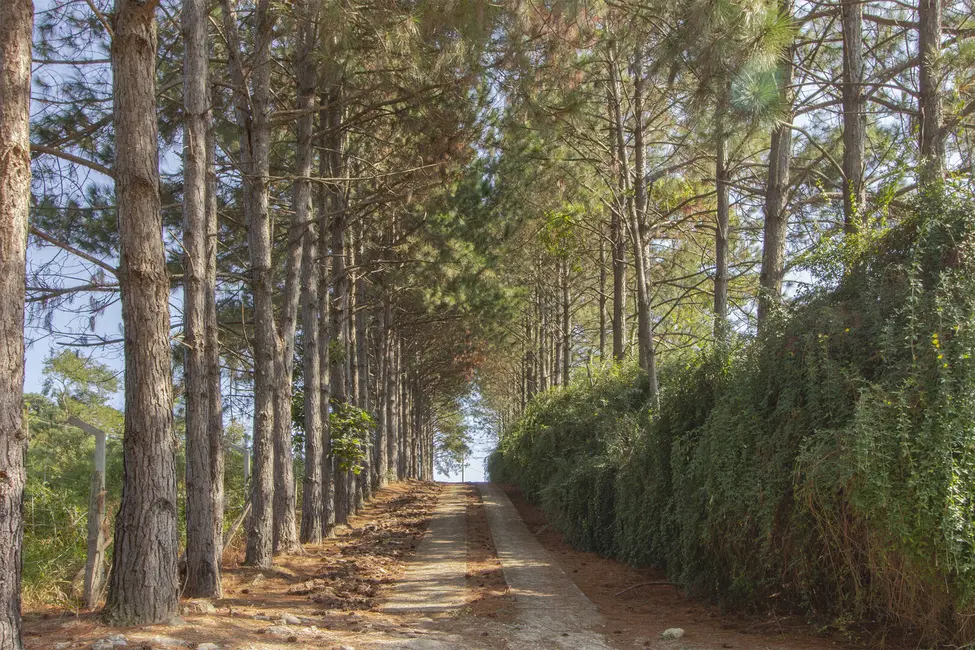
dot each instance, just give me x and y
(392, 406)
(854, 115)
(16, 28)
(285, 528)
(340, 302)
(775, 229)
(722, 218)
(251, 109)
(312, 499)
(144, 585)
(324, 353)
(204, 542)
(929, 102)
(215, 411)
(622, 201)
(566, 325)
(602, 297)
(362, 369)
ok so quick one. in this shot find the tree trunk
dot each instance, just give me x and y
(144, 586)
(602, 296)
(776, 195)
(566, 325)
(382, 389)
(252, 122)
(203, 542)
(932, 144)
(618, 234)
(285, 528)
(312, 502)
(362, 370)
(340, 303)
(324, 357)
(854, 115)
(640, 231)
(623, 204)
(392, 421)
(16, 29)
(215, 412)
(722, 221)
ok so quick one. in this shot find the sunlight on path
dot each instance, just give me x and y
(435, 579)
(552, 611)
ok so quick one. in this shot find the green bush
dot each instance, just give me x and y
(828, 466)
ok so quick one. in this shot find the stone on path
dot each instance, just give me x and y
(435, 580)
(552, 611)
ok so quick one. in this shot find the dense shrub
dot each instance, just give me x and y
(828, 466)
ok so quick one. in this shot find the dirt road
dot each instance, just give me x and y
(439, 567)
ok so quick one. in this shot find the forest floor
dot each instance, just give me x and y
(525, 589)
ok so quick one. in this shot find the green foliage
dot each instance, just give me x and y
(829, 466)
(59, 466)
(350, 429)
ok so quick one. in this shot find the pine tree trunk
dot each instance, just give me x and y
(776, 195)
(210, 327)
(203, 542)
(144, 585)
(854, 115)
(362, 371)
(932, 144)
(16, 29)
(285, 528)
(566, 326)
(312, 502)
(340, 310)
(325, 336)
(392, 454)
(622, 202)
(602, 296)
(722, 221)
(251, 110)
(382, 388)
(640, 231)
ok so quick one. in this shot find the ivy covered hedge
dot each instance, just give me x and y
(828, 466)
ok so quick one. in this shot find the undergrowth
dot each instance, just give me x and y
(827, 466)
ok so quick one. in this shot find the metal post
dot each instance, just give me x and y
(97, 518)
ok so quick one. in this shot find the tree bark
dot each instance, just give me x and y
(16, 31)
(602, 296)
(623, 204)
(251, 108)
(362, 369)
(722, 219)
(854, 115)
(776, 224)
(566, 325)
(929, 102)
(285, 527)
(144, 585)
(312, 502)
(215, 428)
(340, 370)
(392, 417)
(324, 364)
(203, 541)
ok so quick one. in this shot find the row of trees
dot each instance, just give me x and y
(691, 164)
(308, 236)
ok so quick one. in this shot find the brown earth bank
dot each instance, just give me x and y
(637, 604)
(318, 598)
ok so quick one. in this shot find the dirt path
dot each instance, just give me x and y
(552, 612)
(440, 567)
(435, 579)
